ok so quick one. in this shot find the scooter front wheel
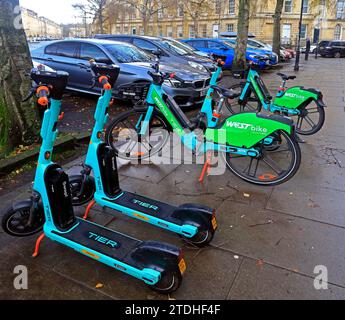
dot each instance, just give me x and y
(15, 221)
(270, 167)
(82, 191)
(169, 282)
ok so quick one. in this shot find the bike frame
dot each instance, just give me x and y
(252, 82)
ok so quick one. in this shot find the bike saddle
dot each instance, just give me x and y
(226, 92)
(285, 76)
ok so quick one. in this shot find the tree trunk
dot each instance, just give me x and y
(242, 35)
(19, 122)
(276, 27)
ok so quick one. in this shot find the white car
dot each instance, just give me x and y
(312, 48)
(262, 45)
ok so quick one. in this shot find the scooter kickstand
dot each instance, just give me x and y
(37, 246)
(206, 167)
(88, 208)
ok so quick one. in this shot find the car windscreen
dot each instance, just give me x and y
(174, 47)
(324, 43)
(125, 53)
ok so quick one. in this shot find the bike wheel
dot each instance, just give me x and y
(122, 135)
(311, 119)
(15, 221)
(270, 167)
(251, 104)
(76, 183)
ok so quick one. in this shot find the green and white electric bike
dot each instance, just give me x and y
(305, 105)
(260, 149)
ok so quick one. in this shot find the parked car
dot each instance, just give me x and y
(312, 48)
(224, 47)
(73, 56)
(271, 55)
(171, 50)
(333, 48)
(291, 51)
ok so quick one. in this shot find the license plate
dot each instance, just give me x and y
(182, 266)
(203, 92)
(214, 223)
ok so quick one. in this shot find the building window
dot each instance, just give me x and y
(288, 6)
(169, 32)
(204, 30)
(191, 32)
(303, 31)
(230, 27)
(134, 30)
(340, 14)
(150, 30)
(179, 32)
(305, 8)
(118, 30)
(125, 30)
(337, 32)
(180, 11)
(160, 31)
(231, 6)
(218, 6)
(160, 13)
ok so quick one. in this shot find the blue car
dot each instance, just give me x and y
(253, 50)
(225, 47)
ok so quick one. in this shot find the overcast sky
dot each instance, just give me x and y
(60, 11)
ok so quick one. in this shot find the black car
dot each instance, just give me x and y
(171, 50)
(73, 56)
(332, 48)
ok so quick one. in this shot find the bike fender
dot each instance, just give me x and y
(321, 103)
(248, 129)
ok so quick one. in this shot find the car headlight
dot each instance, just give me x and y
(198, 66)
(173, 83)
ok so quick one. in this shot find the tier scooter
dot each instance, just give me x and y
(157, 264)
(193, 222)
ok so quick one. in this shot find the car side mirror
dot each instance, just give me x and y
(157, 53)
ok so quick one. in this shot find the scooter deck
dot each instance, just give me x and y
(147, 206)
(97, 238)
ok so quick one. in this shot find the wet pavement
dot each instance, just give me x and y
(269, 240)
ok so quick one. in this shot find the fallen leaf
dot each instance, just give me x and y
(99, 285)
(260, 263)
(236, 257)
(246, 195)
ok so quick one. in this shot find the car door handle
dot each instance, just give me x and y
(50, 59)
(84, 66)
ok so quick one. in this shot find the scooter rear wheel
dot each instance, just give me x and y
(201, 239)
(169, 282)
(15, 221)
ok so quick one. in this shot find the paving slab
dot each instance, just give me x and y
(257, 281)
(290, 242)
(43, 283)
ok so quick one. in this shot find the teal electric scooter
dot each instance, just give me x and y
(193, 222)
(157, 264)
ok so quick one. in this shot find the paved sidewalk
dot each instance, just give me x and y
(269, 239)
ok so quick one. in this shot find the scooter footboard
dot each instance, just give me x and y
(248, 129)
